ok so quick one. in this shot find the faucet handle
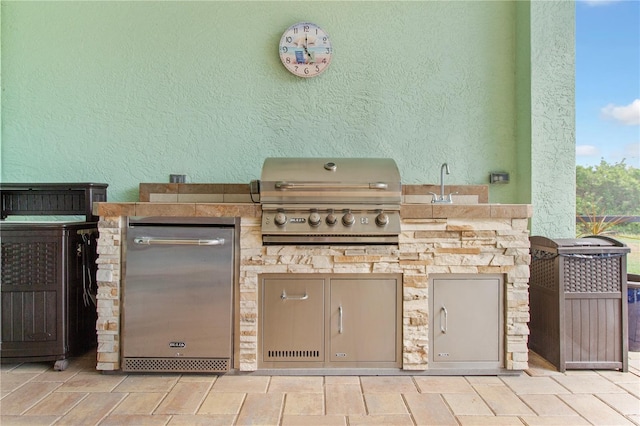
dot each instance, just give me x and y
(435, 197)
(451, 196)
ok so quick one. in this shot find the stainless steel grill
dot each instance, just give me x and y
(330, 201)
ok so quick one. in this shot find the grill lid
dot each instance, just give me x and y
(330, 180)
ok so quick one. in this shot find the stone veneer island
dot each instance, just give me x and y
(435, 239)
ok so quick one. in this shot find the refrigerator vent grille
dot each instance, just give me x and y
(184, 365)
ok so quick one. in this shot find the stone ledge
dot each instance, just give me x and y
(468, 211)
(178, 209)
(407, 211)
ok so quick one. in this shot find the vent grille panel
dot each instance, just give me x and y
(299, 355)
(29, 263)
(175, 365)
(595, 275)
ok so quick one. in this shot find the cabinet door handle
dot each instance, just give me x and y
(443, 324)
(340, 329)
(284, 296)
(178, 241)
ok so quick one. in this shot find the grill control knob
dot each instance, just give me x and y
(348, 219)
(331, 219)
(314, 219)
(280, 219)
(382, 219)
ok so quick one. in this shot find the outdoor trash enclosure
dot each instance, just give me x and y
(578, 306)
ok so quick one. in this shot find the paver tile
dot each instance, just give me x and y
(184, 398)
(56, 376)
(91, 382)
(632, 388)
(222, 403)
(385, 403)
(244, 384)
(10, 382)
(588, 383)
(135, 420)
(467, 404)
(547, 405)
(58, 403)
(386, 420)
(484, 380)
(300, 404)
(314, 420)
(261, 409)
(27, 421)
(285, 384)
(619, 377)
(489, 421)
(554, 421)
(443, 384)
(341, 380)
(430, 409)
(344, 399)
(92, 409)
(26, 397)
(139, 403)
(29, 367)
(205, 378)
(400, 384)
(625, 404)
(190, 420)
(144, 383)
(594, 410)
(534, 385)
(503, 401)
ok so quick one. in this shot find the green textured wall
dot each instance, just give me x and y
(129, 92)
(553, 164)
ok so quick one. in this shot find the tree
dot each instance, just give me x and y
(609, 189)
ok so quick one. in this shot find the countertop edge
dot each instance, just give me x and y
(407, 211)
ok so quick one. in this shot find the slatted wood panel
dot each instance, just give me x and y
(593, 335)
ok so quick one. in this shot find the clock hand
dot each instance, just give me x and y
(311, 60)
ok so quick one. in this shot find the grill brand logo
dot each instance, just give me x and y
(177, 345)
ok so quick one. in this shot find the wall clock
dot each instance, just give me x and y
(305, 49)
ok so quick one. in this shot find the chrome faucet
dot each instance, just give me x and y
(442, 198)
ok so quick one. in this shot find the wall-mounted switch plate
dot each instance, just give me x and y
(499, 177)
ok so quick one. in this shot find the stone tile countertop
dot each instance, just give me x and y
(235, 200)
(407, 211)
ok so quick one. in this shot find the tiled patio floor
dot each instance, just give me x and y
(35, 394)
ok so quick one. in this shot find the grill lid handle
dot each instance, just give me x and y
(283, 186)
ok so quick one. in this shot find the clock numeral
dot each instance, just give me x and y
(285, 49)
(289, 39)
(306, 70)
(327, 50)
(317, 69)
(305, 28)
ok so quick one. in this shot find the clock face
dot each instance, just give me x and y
(305, 49)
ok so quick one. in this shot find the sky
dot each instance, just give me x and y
(608, 82)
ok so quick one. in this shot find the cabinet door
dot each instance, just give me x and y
(32, 294)
(465, 320)
(293, 319)
(364, 315)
